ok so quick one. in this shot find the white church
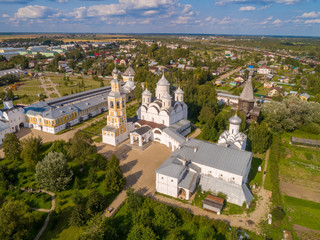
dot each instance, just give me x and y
(12, 118)
(162, 118)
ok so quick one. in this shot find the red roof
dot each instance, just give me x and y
(150, 124)
(215, 199)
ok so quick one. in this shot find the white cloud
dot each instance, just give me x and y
(35, 11)
(150, 12)
(312, 14)
(225, 2)
(187, 8)
(181, 20)
(144, 4)
(208, 19)
(5, 16)
(265, 7)
(105, 10)
(79, 13)
(145, 21)
(247, 8)
(312, 21)
(277, 22)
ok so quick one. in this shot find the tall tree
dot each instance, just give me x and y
(259, 137)
(11, 147)
(15, 220)
(81, 146)
(140, 232)
(53, 172)
(31, 150)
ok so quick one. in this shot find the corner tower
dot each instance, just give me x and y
(116, 130)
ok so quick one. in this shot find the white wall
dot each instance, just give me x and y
(167, 185)
(226, 176)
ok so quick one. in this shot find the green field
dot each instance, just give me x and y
(96, 128)
(73, 84)
(304, 161)
(303, 212)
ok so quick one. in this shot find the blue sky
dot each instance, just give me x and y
(261, 17)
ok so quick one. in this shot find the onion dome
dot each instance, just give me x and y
(166, 96)
(146, 92)
(163, 81)
(235, 120)
(115, 70)
(179, 90)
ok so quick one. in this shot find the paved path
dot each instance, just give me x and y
(265, 167)
(196, 133)
(49, 87)
(46, 222)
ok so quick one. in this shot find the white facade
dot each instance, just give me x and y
(217, 168)
(163, 110)
(233, 137)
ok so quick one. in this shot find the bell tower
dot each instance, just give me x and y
(116, 130)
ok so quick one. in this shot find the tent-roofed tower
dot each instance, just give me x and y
(247, 102)
(128, 74)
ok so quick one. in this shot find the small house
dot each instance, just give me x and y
(304, 97)
(212, 203)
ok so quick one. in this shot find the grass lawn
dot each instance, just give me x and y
(73, 84)
(96, 128)
(303, 212)
(98, 139)
(53, 95)
(255, 177)
(301, 163)
(28, 91)
(37, 200)
(132, 110)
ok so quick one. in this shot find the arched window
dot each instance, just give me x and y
(123, 103)
(111, 104)
(118, 104)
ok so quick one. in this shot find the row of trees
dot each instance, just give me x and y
(290, 114)
(145, 219)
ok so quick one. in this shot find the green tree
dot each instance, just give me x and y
(140, 232)
(100, 229)
(31, 150)
(134, 201)
(96, 202)
(15, 220)
(259, 137)
(206, 115)
(164, 219)
(11, 147)
(53, 172)
(176, 234)
(206, 233)
(138, 91)
(205, 132)
(78, 216)
(92, 176)
(80, 146)
(114, 181)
